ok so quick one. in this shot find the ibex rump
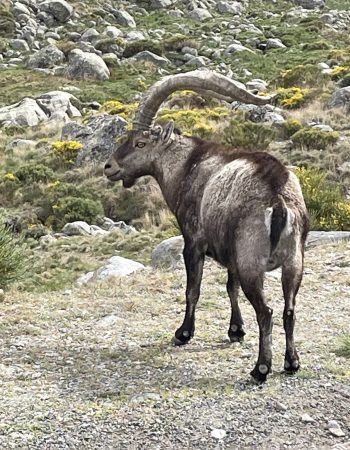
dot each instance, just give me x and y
(244, 209)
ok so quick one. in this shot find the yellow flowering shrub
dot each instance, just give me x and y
(199, 121)
(9, 176)
(66, 151)
(339, 71)
(327, 205)
(124, 110)
(294, 97)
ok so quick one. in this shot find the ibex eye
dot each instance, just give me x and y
(140, 144)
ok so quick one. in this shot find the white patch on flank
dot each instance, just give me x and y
(268, 219)
(288, 229)
(234, 327)
(186, 333)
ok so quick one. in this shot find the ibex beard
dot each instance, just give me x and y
(243, 209)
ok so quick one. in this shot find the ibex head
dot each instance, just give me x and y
(136, 156)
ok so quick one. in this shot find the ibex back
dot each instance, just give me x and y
(244, 209)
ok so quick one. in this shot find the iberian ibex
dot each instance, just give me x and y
(243, 209)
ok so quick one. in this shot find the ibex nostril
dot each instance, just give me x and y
(107, 166)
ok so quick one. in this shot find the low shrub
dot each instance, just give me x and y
(201, 122)
(317, 45)
(314, 138)
(70, 209)
(326, 202)
(34, 173)
(132, 48)
(111, 45)
(247, 135)
(339, 71)
(124, 110)
(12, 259)
(302, 76)
(294, 97)
(7, 23)
(178, 41)
(66, 151)
(290, 127)
(344, 347)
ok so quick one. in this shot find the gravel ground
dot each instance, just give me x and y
(93, 368)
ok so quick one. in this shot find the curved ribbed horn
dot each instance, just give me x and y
(204, 81)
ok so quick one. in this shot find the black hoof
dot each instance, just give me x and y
(236, 335)
(259, 373)
(291, 366)
(182, 337)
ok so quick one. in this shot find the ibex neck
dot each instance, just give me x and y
(169, 170)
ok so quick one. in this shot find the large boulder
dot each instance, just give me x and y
(234, 8)
(200, 14)
(150, 57)
(86, 66)
(98, 137)
(49, 106)
(117, 266)
(47, 57)
(59, 104)
(340, 98)
(168, 254)
(124, 18)
(24, 113)
(59, 9)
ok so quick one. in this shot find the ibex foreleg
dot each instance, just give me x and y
(194, 261)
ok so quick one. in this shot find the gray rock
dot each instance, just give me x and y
(340, 98)
(78, 228)
(59, 102)
(59, 9)
(168, 254)
(24, 113)
(306, 418)
(140, 398)
(198, 61)
(234, 8)
(19, 44)
(90, 35)
(124, 18)
(257, 84)
(97, 231)
(117, 266)
(274, 43)
(160, 4)
(135, 35)
(310, 4)
(47, 18)
(236, 48)
(98, 137)
(47, 57)
(218, 433)
(200, 14)
(113, 32)
(18, 9)
(150, 57)
(324, 237)
(86, 66)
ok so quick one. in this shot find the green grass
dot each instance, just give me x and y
(344, 347)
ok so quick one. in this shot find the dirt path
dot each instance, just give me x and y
(93, 369)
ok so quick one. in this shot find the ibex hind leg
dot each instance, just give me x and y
(235, 332)
(253, 289)
(292, 272)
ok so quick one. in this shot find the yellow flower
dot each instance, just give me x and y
(10, 176)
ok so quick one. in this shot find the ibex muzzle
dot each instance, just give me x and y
(244, 209)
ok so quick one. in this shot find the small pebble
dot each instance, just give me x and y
(218, 433)
(307, 418)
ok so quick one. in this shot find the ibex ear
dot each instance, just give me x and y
(167, 132)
